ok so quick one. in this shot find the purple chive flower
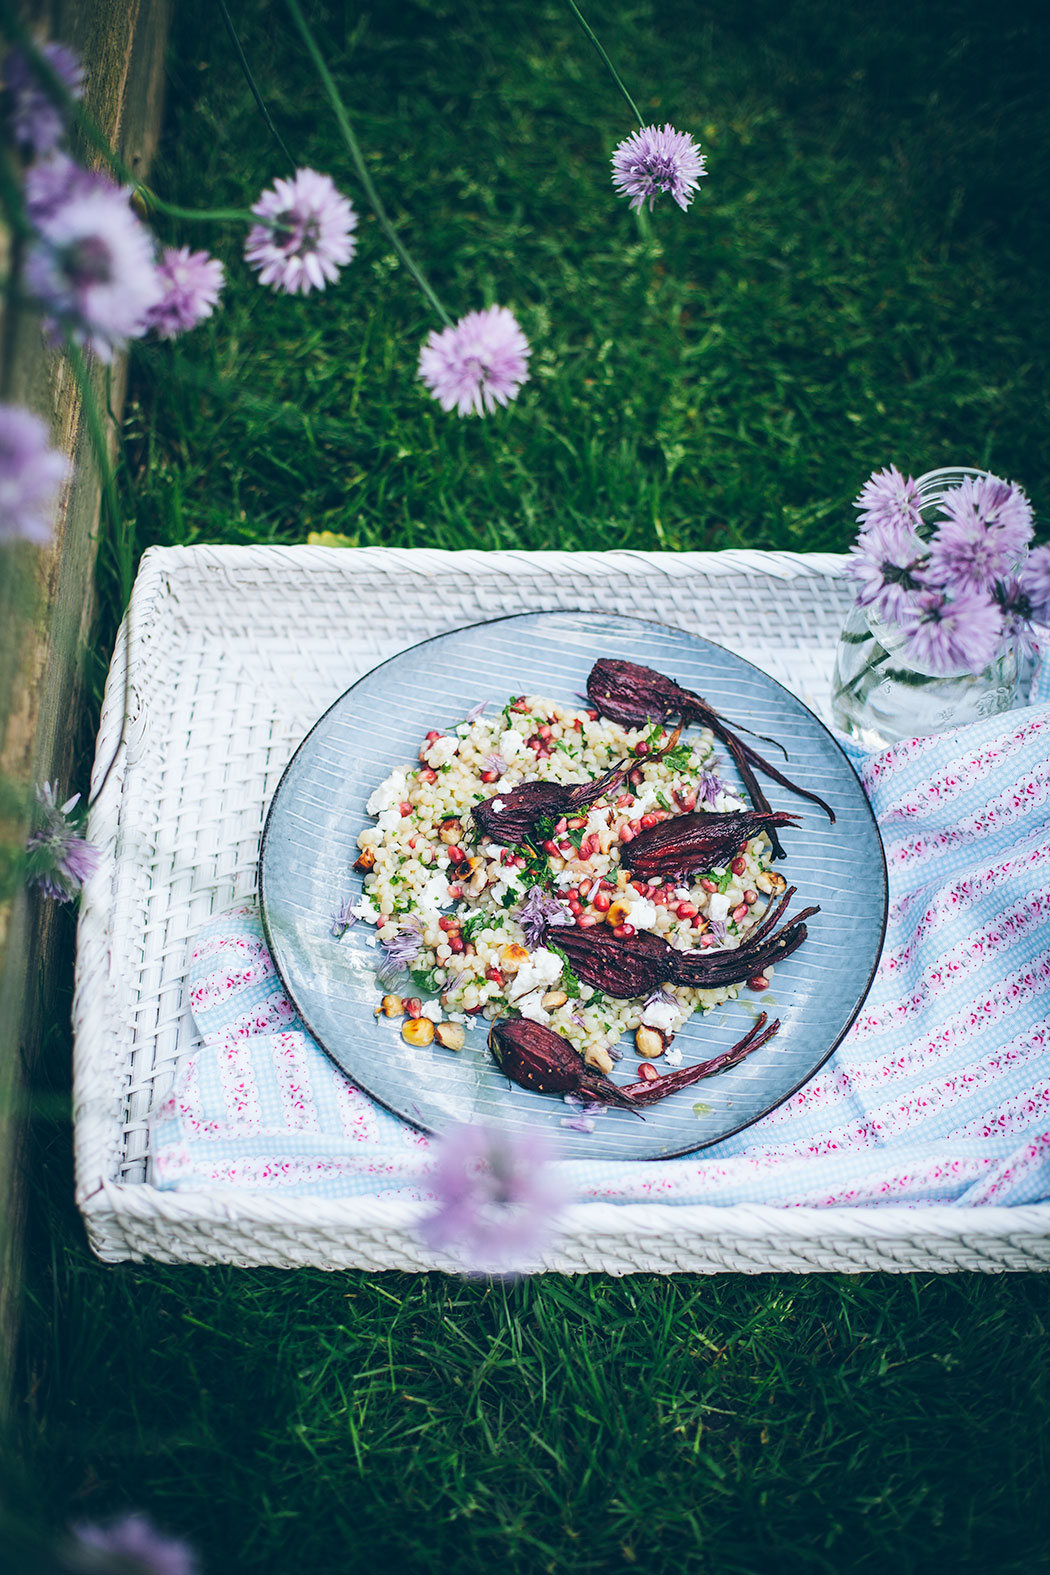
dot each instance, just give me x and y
(401, 952)
(37, 120)
(192, 283)
(477, 364)
(961, 635)
(888, 498)
(31, 476)
(986, 526)
(886, 564)
(717, 930)
(343, 918)
(60, 859)
(475, 711)
(537, 911)
(655, 160)
(306, 235)
(52, 182)
(708, 789)
(92, 269)
(494, 762)
(137, 1545)
(991, 504)
(1035, 584)
(497, 1199)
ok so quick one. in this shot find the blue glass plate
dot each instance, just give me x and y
(310, 843)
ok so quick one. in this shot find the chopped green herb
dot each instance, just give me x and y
(472, 925)
(423, 979)
(568, 981)
(662, 801)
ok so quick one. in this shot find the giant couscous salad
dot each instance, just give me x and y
(474, 923)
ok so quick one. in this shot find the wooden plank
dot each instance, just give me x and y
(47, 600)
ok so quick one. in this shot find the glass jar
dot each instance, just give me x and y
(880, 696)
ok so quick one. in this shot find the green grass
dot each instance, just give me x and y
(862, 280)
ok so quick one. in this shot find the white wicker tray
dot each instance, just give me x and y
(233, 653)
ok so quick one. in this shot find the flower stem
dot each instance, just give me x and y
(574, 8)
(256, 95)
(356, 155)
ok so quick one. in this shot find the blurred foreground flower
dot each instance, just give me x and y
(37, 121)
(192, 283)
(60, 859)
(91, 267)
(477, 364)
(31, 475)
(498, 1201)
(656, 160)
(136, 1546)
(307, 235)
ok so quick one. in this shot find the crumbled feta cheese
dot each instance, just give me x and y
(431, 1009)
(498, 804)
(389, 820)
(725, 802)
(542, 969)
(441, 751)
(510, 744)
(434, 895)
(718, 908)
(492, 850)
(673, 1057)
(531, 1008)
(391, 791)
(365, 908)
(661, 1015)
(642, 913)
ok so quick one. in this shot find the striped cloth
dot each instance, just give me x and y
(939, 1094)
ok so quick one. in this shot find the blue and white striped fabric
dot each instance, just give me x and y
(939, 1094)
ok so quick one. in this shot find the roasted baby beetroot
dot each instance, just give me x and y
(697, 841)
(536, 1057)
(634, 695)
(509, 818)
(641, 963)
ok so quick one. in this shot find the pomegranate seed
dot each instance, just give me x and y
(640, 887)
(759, 982)
(602, 901)
(589, 847)
(551, 848)
(636, 776)
(428, 774)
(405, 808)
(487, 776)
(699, 922)
(446, 923)
(642, 748)
(413, 1006)
(636, 827)
(583, 888)
(740, 912)
(738, 866)
(575, 907)
(626, 834)
(706, 940)
(544, 731)
(430, 737)
(412, 841)
(577, 823)
(593, 715)
(623, 932)
(534, 742)
(494, 975)
(624, 800)
(647, 1070)
(686, 910)
(587, 921)
(708, 885)
(687, 799)
(751, 897)
(455, 892)
(455, 941)
(456, 855)
(578, 725)
(650, 820)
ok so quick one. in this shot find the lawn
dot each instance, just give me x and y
(861, 280)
